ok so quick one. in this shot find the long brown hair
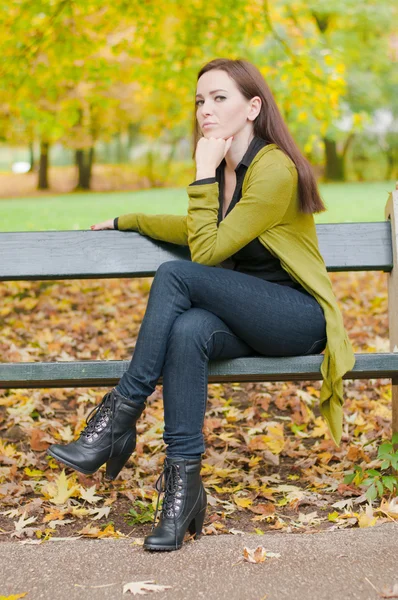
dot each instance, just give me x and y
(268, 125)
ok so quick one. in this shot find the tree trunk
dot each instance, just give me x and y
(334, 168)
(31, 158)
(390, 164)
(132, 131)
(84, 162)
(43, 167)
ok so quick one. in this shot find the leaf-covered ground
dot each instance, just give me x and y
(269, 465)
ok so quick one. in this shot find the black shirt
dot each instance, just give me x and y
(254, 258)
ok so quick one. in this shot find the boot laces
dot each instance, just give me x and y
(99, 417)
(169, 482)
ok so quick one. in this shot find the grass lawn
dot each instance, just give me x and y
(346, 202)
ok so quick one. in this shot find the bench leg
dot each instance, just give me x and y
(394, 397)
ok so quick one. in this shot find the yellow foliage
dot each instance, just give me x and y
(61, 489)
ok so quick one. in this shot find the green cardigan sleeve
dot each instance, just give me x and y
(169, 228)
(265, 199)
(268, 190)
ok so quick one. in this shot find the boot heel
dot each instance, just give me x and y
(195, 526)
(115, 465)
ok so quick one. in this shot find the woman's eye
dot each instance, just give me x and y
(197, 101)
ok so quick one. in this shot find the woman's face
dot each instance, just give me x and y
(221, 109)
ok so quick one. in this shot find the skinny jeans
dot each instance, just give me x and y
(196, 313)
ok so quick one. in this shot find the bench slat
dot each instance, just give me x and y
(95, 254)
(104, 373)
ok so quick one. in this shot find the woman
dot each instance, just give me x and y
(257, 284)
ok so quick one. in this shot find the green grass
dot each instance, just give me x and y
(346, 202)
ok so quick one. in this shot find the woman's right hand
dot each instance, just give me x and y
(104, 225)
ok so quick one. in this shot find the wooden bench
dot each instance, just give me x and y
(54, 255)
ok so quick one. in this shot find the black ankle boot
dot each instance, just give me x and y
(184, 505)
(109, 436)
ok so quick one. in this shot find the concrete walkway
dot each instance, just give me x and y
(331, 565)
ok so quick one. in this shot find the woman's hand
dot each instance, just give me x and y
(209, 153)
(104, 225)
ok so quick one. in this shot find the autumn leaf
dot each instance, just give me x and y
(55, 513)
(242, 502)
(21, 526)
(99, 513)
(143, 587)
(367, 518)
(96, 532)
(36, 440)
(388, 592)
(89, 494)
(265, 509)
(275, 439)
(260, 554)
(59, 522)
(236, 531)
(61, 489)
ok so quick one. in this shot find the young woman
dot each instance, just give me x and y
(256, 285)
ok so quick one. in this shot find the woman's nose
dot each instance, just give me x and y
(206, 115)
(206, 110)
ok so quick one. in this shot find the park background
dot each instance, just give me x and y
(97, 99)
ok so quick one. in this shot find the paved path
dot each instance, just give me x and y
(322, 566)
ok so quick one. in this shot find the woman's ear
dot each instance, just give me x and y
(255, 107)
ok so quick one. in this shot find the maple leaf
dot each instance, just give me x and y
(242, 502)
(109, 531)
(21, 526)
(66, 434)
(37, 442)
(89, 494)
(99, 512)
(55, 513)
(367, 518)
(10, 513)
(389, 508)
(56, 522)
(143, 587)
(61, 489)
(260, 554)
(79, 511)
(265, 509)
(90, 531)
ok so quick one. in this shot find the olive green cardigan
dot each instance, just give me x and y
(269, 211)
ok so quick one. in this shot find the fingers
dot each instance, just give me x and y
(103, 225)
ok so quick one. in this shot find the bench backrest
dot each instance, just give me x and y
(100, 254)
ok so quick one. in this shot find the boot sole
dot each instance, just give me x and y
(155, 547)
(162, 548)
(69, 464)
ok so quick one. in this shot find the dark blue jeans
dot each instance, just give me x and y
(196, 313)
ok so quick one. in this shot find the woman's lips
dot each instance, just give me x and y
(210, 125)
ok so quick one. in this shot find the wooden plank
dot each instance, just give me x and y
(95, 254)
(258, 368)
(391, 213)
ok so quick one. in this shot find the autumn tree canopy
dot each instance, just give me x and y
(78, 71)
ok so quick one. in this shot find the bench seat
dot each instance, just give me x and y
(257, 368)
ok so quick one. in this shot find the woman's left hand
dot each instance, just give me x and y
(210, 152)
